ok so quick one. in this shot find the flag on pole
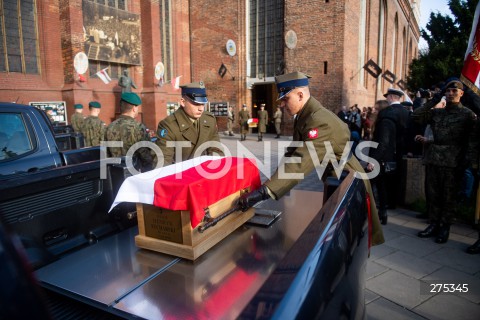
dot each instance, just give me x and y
(191, 185)
(471, 67)
(103, 75)
(176, 83)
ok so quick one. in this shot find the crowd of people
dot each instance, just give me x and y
(440, 126)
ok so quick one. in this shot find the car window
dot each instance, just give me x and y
(14, 137)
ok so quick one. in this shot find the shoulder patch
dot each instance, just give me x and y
(313, 133)
(163, 132)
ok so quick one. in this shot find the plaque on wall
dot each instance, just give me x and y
(111, 34)
(59, 109)
(219, 109)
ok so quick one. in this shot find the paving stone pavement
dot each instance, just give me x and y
(400, 272)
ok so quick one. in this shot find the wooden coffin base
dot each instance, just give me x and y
(170, 232)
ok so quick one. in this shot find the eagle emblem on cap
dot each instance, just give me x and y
(313, 134)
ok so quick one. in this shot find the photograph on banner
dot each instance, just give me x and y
(111, 34)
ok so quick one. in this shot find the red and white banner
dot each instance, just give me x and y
(103, 75)
(471, 68)
(191, 185)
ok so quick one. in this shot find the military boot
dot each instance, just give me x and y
(382, 214)
(430, 231)
(443, 233)
(475, 248)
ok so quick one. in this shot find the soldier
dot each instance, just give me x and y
(191, 124)
(277, 116)
(230, 121)
(448, 156)
(129, 131)
(243, 117)
(314, 124)
(262, 121)
(93, 128)
(49, 112)
(77, 118)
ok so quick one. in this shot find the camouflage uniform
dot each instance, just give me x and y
(126, 129)
(77, 121)
(449, 154)
(93, 130)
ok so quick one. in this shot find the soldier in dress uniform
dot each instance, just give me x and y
(277, 116)
(126, 129)
(230, 121)
(77, 118)
(93, 128)
(191, 124)
(243, 117)
(314, 124)
(449, 154)
(262, 121)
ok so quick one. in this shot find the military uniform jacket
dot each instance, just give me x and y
(243, 117)
(93, 130)
(385, 135)
(77, 121)
(126, 129)
(454, 133)
(316, 124)
(277, 116)
(262, 121)
(179, 127)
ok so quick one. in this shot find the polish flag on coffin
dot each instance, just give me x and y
(191, 185)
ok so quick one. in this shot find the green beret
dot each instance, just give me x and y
(94, 104)
(48, 108)
(132, 98)
(77, 106)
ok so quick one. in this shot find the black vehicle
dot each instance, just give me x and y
(309, 263)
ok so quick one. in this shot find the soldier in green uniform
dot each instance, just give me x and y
(243, 117)
(129, 131)
(449, 154)
(93, 128)
(49, 111)
(316, 125)
(278, 122)
(262, 121)
(77, 118)
(190, 124)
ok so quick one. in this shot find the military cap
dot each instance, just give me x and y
(77, 106)
(457, 84)
(394, 92)
(48, 108)
(195, 91)
(94, 104)
(132, 98)
(288, 82)
(244, 105)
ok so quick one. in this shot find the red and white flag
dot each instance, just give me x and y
(176, 83)
(471, 67)
(191, 185)
(103, 75)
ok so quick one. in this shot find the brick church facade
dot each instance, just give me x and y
(235, 47)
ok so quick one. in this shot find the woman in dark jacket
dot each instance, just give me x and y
(384, 133)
